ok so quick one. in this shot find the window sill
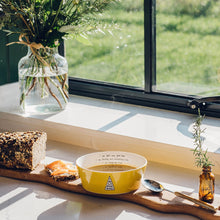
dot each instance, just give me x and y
(159, 135)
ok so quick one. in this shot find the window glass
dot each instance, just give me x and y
(116, 56)
(188, 46)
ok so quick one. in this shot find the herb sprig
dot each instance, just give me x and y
(49, 21)
(201, 157)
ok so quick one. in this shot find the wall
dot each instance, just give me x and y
(9, 57)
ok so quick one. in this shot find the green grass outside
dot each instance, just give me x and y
(117, 58)
(188, 54)
(188, 49)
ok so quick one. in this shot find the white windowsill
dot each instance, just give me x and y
(159, 135)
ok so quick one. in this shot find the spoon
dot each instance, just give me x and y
(157, 187)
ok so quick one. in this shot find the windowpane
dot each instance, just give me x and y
(188, 46)
(117, 57)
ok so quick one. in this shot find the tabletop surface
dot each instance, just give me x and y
(29, 200)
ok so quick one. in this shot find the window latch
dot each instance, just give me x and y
(202, 103)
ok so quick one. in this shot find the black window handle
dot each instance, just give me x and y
(202, 103)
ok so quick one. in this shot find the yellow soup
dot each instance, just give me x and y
(112, 167)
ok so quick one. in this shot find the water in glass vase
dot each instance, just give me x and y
(43, 94)
(43, 81)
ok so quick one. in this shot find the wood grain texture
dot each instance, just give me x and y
(162, 202)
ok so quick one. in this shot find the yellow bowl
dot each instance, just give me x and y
(105, 172)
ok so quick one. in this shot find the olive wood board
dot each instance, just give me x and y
(165, 202)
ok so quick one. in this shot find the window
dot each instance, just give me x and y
(188, 47)
(116, 53)
(164, 54)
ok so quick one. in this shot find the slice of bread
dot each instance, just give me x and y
(60, 170)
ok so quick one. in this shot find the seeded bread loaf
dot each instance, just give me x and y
(22, 150)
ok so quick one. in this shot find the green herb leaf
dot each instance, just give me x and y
(201, 157)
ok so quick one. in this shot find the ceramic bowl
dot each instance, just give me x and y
(111, 172)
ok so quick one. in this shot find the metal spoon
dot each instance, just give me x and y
(157, 187)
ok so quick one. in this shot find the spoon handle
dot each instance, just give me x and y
(196, 201)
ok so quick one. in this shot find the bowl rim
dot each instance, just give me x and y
(105, 172)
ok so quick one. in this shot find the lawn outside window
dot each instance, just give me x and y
(164, 55)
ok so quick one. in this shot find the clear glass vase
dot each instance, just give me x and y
(43, 80)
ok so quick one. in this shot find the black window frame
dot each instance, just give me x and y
(138, 96)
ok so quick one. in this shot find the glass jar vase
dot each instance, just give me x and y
(207, 185)
(43, 81)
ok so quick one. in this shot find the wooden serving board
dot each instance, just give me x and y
(163, 202)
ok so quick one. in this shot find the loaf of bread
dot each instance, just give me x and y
(22, 150)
